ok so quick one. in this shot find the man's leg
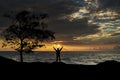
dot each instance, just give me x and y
(56, 58)
(59, 58)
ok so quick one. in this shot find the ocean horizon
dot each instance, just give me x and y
(68, 57)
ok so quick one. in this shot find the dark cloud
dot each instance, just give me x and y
(55, 8)
(109, 4)
(74, 28)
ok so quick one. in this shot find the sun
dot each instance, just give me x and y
(57, 45)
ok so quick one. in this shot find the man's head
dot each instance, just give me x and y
(57, 48)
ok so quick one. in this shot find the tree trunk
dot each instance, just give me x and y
(21, 56)
(21, 50)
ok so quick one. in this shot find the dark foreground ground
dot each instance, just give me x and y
(50, 71)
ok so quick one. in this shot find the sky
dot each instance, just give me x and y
(78, 24)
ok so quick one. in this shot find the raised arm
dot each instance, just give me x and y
(61, 48)
(54, 48)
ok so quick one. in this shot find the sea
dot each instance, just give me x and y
(68, 57)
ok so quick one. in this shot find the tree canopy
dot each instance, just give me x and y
(27, 31)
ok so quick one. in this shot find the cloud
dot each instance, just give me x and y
(55, 8)
(115, 34)
(97, 40)
(109, 4)
(74, 28)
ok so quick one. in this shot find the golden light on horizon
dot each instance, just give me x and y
(49, 47)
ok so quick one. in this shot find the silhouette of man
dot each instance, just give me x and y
(58, 51)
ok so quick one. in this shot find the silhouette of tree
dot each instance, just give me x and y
(26, 32)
